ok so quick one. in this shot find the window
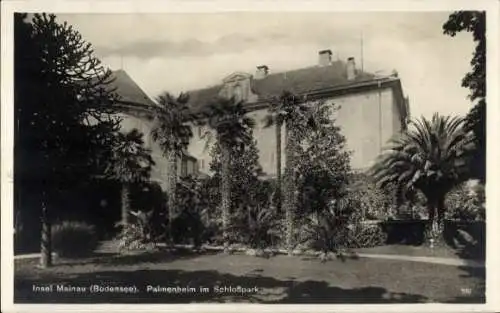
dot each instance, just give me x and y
(184, 166)
(238, 92)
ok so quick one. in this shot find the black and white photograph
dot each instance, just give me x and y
(246, 156)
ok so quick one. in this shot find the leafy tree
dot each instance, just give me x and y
(228, 119)
(475, 23)
(245, 170)
(432, 157)
(63, 98)
(292, 111)
(172, 132)
(249, 194)
(323, 162)
(131, 163)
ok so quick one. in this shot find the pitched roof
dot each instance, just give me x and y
(300, 81)
(128, 90)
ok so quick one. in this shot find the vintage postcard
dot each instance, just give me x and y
(228, 154)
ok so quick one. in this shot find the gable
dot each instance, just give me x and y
(238, 85)
(236, 76)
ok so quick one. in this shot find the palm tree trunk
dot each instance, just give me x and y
(125, 202)
(225, 192)
(171, 192)
(278, 168)
(46, 242)
(432, 226)
(436, 208)
(440, 208)
(289, 190)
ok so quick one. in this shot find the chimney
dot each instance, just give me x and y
(262, 71)
(351, 69)
(325, 57)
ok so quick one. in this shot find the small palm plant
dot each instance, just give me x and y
(230, 124)
(433, 157)
(328, 230)
(260, 225)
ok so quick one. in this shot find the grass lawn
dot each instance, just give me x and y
(279, 279)
(443, 251)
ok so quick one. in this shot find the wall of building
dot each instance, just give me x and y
(266, 144)
(200, 147)
(367, 120)
(159, 171)
(396, 117)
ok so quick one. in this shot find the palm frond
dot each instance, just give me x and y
(171, 129)
(131, 161)
(431, 155)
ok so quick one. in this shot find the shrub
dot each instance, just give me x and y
(413, 206)
(132, 237)
(73, 239)
(366, 235)
(258, 228)
(198, 218)
(255, 221)
(464, 203)
(327, 230)
(374, 203)
(188, 228)
(139, 233)
(197, 215)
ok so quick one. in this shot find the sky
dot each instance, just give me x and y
(178, 52)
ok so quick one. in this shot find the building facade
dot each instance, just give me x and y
(373, 108)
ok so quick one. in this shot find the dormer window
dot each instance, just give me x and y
(237, 85)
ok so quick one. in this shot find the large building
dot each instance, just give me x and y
(372, 109)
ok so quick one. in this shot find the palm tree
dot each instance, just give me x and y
(131, 162)
(226, 117)
(172, 133)
(432, 157)
(290, 110)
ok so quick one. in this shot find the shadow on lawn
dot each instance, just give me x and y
(270, 290)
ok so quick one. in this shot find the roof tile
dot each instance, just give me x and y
(300, 81)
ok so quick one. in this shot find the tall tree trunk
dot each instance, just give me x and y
(171, 192)
(432, 225)
(46, 241)
(436, 210)
(225, 192)
(440, 216)
(289, 189)
(125, 202)
(278, 168)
